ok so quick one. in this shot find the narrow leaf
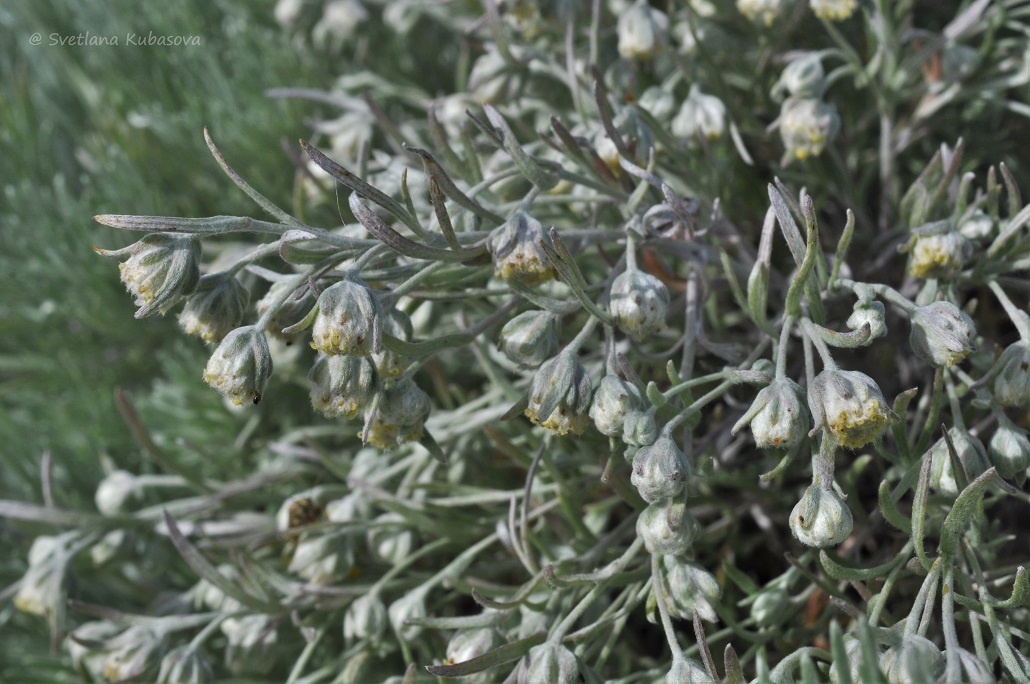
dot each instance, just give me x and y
(919, 511)
(837, 570)
(967, 505)
(213, 225)
(203, 567)
(505, 654)
(890, 511)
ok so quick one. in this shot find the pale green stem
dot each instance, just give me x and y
(663, 611)
(820, 346)
(781, 349)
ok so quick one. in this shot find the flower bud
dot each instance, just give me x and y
(559, 396)
(667, 527)
(806, 125)
(942, 334)
(289, 312)
(639, 429)
(516, 254)
(252, 643)
(114, 492)
(403, 409)
(764, 11)
(342, 385)
(770, 607)
(365, 619)
(42, 590)
(660, 471)
(549, 662)
(390, 539)
(467, 644)
(701, 117)
(641, 30)
(1012, 376)
(530, 338)
(411, 606)
(872, 313)
(821, 518)
(215, 308)
(690, 589)
(638, 302)
(778, 416)
(803, 77)
(183, 665)
(971, 455)
(915, 659)
(613, 399)
(833, 10)
(1009, 448)
(348, 320)
(687, 671)
(320, 560)
(108, 546)
(86, 658)
(239, 368)
(391, 364)
(978, 226)
(850, 405)
(161, 268)
(133, 654)
(939, 255)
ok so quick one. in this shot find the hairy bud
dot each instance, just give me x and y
(942, 334)
(821, 518)
(638, 303)
(660, 471)
(530, 338)
(348, 321)
(160, 270)
(667, 527)
(215, 308)
(778, 416)
(559, 396)
(240, 366)
(850, 405)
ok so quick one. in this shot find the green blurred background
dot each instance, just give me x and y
(89, 129)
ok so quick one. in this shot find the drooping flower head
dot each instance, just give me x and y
(160, 270)
(559, 396)
(850, 405)
(821, 518)
(215, 307)
(778, 416)
(942, 333)
(240, 366)
(517, 256)
(638, 303)
(348, 320)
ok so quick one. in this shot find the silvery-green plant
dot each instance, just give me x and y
(534, 339)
